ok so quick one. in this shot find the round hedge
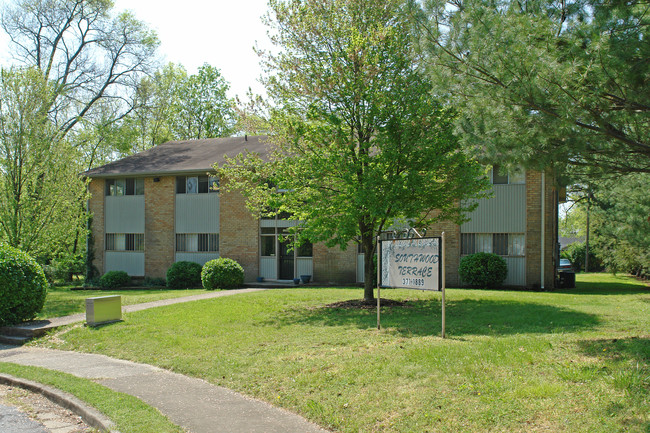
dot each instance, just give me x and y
(184, 275)
(484, 270)
(222, 273)
(23, 286)
(114, 279)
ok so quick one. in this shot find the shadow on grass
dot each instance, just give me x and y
(636, 349)
(627, 365)
(465, 317)
(606, 288)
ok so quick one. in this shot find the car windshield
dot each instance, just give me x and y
(565, 262)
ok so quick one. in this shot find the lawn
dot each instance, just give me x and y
(571, 361)
(129, 414)
(63, 301)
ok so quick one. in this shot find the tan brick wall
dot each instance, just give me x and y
(159, 201)
(239, 233)
(452, 249)
(96, 208)
(533, 230)
(333, 265)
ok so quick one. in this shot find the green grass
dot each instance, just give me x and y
(62, 301)
(129, 414)
(571, 361)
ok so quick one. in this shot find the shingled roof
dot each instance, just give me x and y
(174, 157)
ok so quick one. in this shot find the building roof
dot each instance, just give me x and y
(175, 157)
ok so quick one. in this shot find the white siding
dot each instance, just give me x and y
(305, 266)
(128, 261)
(516, 271)
(268, 268)
(124, 214)
(200, 258)
(197, 213)
(277, 223)
(504, 212)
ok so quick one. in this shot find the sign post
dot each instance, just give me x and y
(415, 263)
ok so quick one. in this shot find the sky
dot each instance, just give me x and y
(193, 32)
(221, 33)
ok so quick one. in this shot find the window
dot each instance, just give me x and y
(127, 186)
(503, 244)
(269, 235)
(197, 242)
(306, 249)
(500, 177)
(196, 184)
(267, 241)
(124, 241)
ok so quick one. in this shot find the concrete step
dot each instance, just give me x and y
(14, 340)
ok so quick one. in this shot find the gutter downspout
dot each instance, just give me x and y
(543, 228)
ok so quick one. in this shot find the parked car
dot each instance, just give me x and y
(566, 274)
(565, 265)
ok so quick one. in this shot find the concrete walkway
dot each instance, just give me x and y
(191, 403)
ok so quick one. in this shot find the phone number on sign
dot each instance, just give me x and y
(418, 282)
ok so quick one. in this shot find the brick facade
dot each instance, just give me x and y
(333, 265)
(96, 209)
(452, 249)
(159, 203)
(534, 230)
(239, 234)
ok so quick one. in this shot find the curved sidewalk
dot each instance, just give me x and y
(193, 404)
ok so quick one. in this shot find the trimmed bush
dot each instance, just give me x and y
(222, 273)
(485, 270)
(23, 286)
(184, 275)
(114, 279)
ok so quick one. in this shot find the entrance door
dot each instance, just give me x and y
(286, 261)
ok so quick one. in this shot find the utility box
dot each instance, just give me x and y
(103, 309)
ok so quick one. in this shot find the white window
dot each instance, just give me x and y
(196, 184)
(503, 244)
(197, 242)
(125, 186)
(500, 177)
(124, 241)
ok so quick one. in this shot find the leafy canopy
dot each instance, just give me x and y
(546, 81)
(358, 143)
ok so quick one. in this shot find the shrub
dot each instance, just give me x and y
(184, 275)
(154, 282)
(222, 273)
(576, 254)
(114, 279)
(484, 270)
(23, 286)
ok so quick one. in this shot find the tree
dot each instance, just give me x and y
(39, 186)
(202, 108)
(155, 108)
(546, 81)
(622, 223)
(359, 143)
(86, 52)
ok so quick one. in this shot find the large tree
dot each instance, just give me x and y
(39, 186)
(360, 145)
(88, 53)
(203, 108)
(547, 81)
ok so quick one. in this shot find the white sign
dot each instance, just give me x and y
(411, 263)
